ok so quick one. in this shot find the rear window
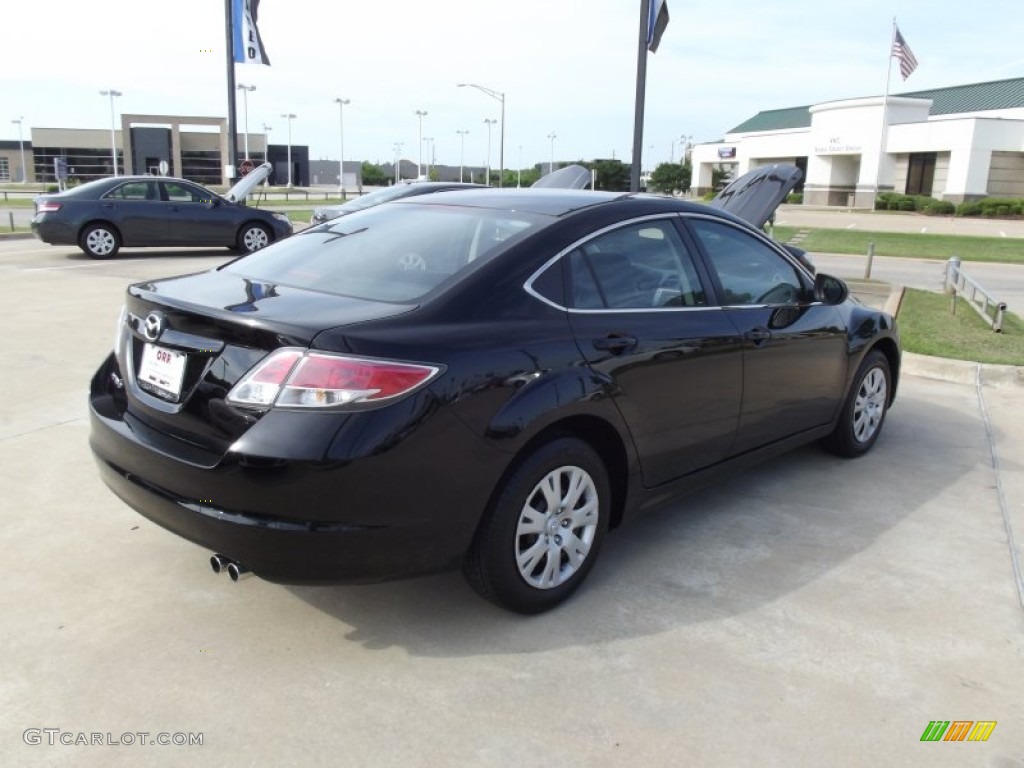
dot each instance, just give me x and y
(395, 252)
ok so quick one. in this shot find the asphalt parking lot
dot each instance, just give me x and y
(813, 611)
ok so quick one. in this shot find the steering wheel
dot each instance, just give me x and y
(783, 293)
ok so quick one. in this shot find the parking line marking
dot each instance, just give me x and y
(851, 226)
(924, 229)
(79, 266)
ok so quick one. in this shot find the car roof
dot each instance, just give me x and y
(559, 202)
(551, 202)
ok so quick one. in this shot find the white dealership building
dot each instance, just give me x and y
(960, 143)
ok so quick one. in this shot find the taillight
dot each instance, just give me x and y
(291, 378)
(47, 207)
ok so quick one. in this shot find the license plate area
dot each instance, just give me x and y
(162, 371)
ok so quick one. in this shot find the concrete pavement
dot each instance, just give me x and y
(812, 611)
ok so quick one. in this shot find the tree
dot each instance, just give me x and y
(372, 175)
(612, 175)
(671, 178)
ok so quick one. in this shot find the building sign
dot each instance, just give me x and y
(724, 153)
(836, 145)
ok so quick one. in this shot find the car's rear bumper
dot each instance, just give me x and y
(299, 521)
(53, 232)
(283, 551)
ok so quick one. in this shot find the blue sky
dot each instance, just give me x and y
(566, 66)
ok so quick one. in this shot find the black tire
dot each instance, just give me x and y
(252, 237)
(573, 470)
(100, 241)
(860, 422)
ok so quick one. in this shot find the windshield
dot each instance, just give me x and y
(394, 253)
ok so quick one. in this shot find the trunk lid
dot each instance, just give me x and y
(754, 196)
(188, 340)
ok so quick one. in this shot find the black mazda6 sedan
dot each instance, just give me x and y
(488, 379)
(155, 211)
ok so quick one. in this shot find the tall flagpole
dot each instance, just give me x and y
(641, 87)
(885, 111)
(229, 37)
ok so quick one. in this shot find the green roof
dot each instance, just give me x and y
(975, 97)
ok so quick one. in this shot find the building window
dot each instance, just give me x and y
(921, 173)
(5, 169)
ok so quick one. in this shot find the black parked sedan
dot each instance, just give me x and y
(137, 211)
(487, 379)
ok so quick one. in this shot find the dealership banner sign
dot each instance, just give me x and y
(248, 44)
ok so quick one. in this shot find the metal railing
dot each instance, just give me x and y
(959, 284)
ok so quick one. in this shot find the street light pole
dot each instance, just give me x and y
(420, 113)
(289, 116)
(341, 163)
(398, 161)
(21, 145)
(684, 151)
(266, 142)
(462, 152)
(519, 170)
(430, 152)
(489, 122)
(245, 111)
(113, 135)
(551, 165)
(500, 97)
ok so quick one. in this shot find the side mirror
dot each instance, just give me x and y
(830, 290)
(210, 204)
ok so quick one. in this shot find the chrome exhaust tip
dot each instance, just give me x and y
(238, 572)
(219, 563)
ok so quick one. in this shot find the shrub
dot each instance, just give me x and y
(708, 196)
(906, 204)
(969, 209)
(940, 208)
(796, 198)
(884, 201)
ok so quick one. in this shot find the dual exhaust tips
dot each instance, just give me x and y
(223, 564)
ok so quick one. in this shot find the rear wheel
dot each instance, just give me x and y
(864, 411)
(543, 534)
(100, 241)
(252, 237)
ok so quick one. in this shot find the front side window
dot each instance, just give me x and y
(749, 271)
(183, 193)
(134, 190)
(639, 266)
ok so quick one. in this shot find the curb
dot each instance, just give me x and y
(962, 371)
(16, 236)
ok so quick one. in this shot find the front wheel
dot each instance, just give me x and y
(543, 533)
(100, 241)
(252, 237)
(864, 411)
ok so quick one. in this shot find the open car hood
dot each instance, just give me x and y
(247, 183)
(570, 177)
(754, 196)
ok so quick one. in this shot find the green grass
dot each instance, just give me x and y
(1004, 250)
(928, 328)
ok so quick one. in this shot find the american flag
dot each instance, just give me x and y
(900, 49)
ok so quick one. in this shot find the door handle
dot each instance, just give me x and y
(614, 343)
(758, 336)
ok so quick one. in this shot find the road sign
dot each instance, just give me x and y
(246, 167)
(163, 167)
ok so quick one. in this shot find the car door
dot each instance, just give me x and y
(794, 349)
(134, 207)
(195, 216)
(640, 314)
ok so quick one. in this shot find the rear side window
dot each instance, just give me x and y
(134, 190)
(750, 272)
(395, 252)
(640, 266)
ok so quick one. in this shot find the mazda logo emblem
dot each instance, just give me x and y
(153, 326)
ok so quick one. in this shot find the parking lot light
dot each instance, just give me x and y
(289, 117)
(113, 133)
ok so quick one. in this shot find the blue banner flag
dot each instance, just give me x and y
(657, 20)
(248, 44)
